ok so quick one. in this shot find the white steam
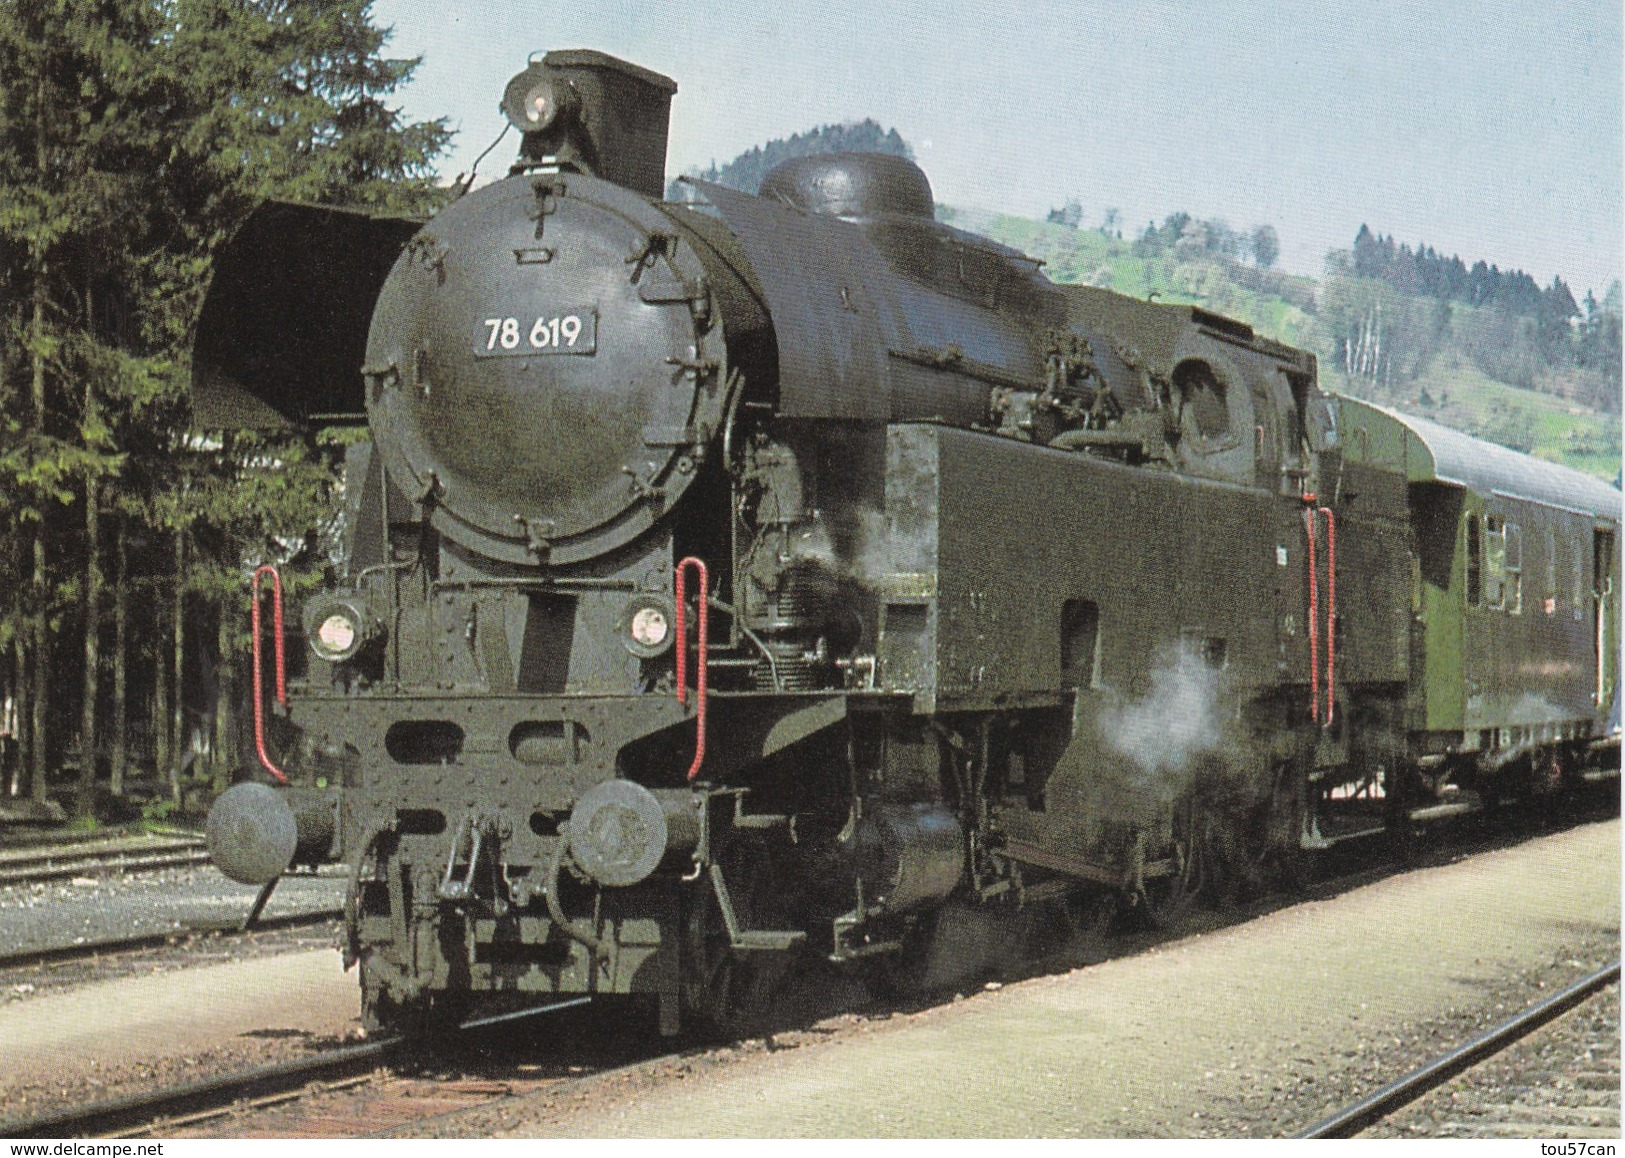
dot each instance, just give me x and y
(1165, 734)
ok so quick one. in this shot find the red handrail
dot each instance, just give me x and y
(259, 664)
(699, 654)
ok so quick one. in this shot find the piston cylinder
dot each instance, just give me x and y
(908, 855)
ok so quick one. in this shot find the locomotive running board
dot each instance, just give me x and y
(1073, 866)
(749, 940)
(1442, 811)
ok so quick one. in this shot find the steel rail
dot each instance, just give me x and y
(1350, 1121)
(27, 842)
(170, 1123)
(59, 868)
(94, 848)
(139, 1110)
(52, 954)
(400, 1129)
(266, 1086)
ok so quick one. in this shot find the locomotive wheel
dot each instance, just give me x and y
(902, 975)
(379, 1011)
(732, 993)
(1078, 925)
(1403, 841)
(739, 991)
(1093, 915)
(425, 1019)
(1280, 859)
(1166, 901)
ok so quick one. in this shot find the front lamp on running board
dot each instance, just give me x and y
(338, 628)
(646, 626)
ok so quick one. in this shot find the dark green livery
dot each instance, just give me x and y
(736, 581)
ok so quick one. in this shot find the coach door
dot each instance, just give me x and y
(1605, 640)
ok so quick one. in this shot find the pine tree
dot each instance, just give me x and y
(70, 172)
(1367, 254)
(134, 136)
(1266, 246)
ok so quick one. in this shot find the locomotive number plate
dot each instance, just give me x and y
(575, 332)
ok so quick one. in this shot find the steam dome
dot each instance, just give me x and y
(852, 185)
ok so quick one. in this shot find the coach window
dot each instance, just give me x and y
(1495, 563)
(1503, 565)
(1514, 568)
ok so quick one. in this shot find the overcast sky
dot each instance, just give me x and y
(1489, 129)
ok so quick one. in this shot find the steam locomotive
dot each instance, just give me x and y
(757, 578)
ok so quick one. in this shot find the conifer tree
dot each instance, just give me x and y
(135, 135)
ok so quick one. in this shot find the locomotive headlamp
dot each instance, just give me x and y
(338, 628)
(337, 635)
(534, 100)
(647, 626)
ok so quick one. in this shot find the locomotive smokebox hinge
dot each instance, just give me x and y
(641, 488)
(655, 246)
(699, 302)
(659, 282)
(538, 536)
(696, 367)
(663, 286)
(547, 190)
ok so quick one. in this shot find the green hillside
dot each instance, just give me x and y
(1435, 357)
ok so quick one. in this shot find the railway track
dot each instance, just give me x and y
(345, 1093)
(100, 858)
(112, 946)
(149, 1110)
(34, 840)
(1396, 1095)
(374, 1089)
